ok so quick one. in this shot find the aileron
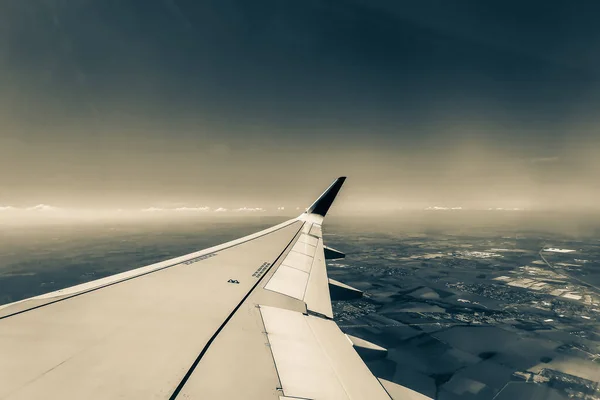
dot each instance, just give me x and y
(314, 359)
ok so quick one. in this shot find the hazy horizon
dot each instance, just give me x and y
(227, 104)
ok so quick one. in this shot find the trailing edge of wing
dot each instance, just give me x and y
(322, 204)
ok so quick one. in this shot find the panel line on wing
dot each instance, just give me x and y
(316, 296)
(214, 336)
(262, 319)
(305, 238)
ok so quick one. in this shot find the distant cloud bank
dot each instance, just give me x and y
(193, 209)
(42, 207)
(152, 209)
(439, 208)
(544, 160)
(52, 210)
(46, 212)
(39, 207)
(203, 209)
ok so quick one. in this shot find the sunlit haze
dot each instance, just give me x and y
(194, 107)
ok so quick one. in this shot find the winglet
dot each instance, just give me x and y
(322, 204)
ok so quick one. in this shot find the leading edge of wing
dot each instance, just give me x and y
(31, 303)
(318, 208)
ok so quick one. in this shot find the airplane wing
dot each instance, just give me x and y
(249, 319)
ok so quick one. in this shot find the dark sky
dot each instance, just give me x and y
(137, 103)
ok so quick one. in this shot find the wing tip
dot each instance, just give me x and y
(322, 204)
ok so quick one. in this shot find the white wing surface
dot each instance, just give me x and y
(249, 319)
